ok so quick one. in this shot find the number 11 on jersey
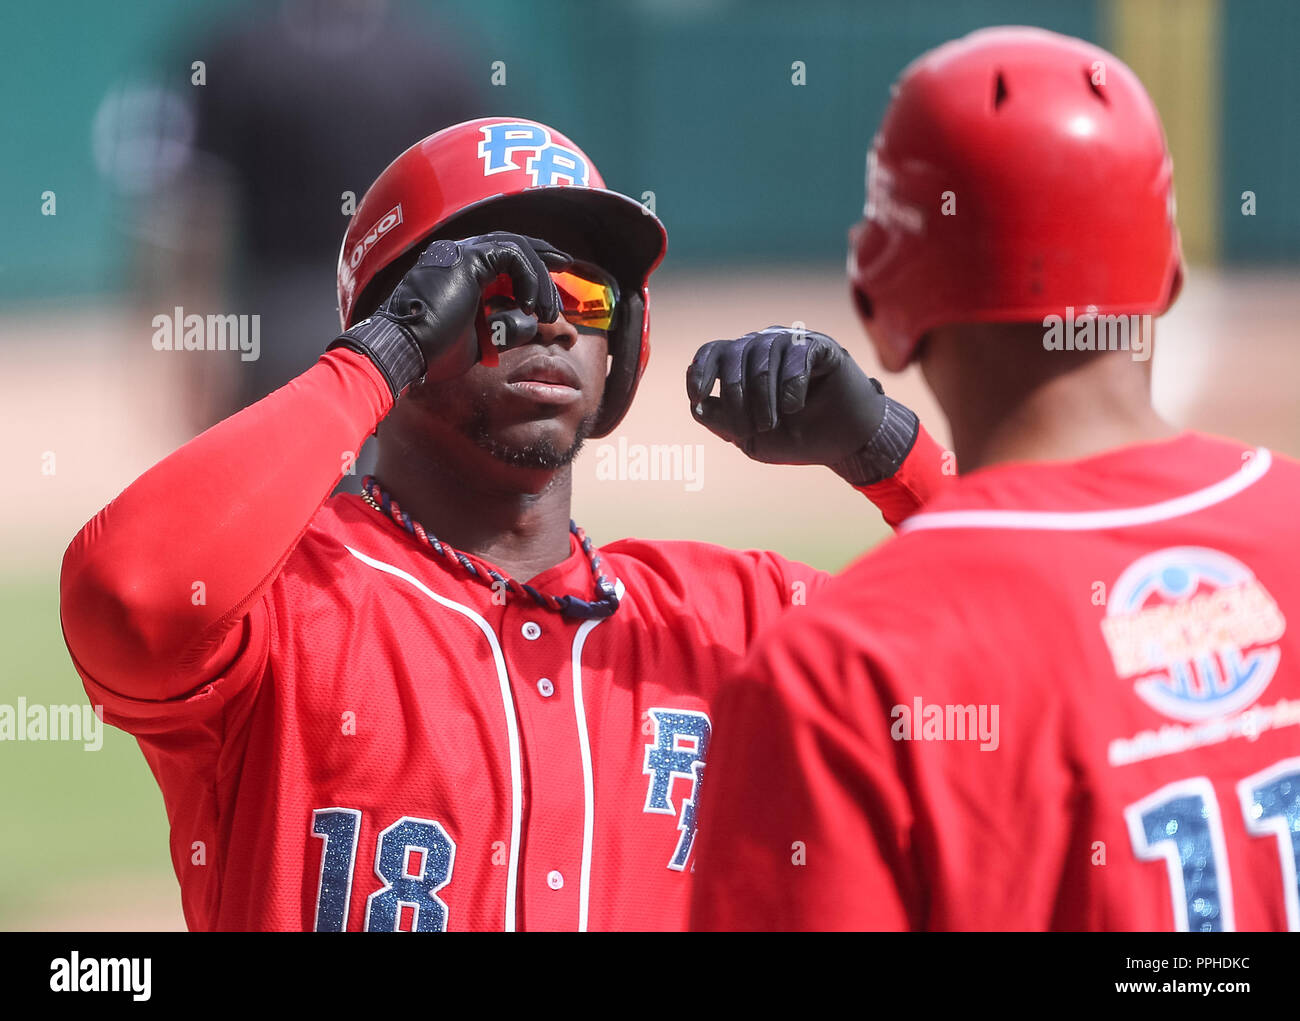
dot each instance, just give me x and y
(1181, 824)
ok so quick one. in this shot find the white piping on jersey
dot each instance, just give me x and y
(1063, 521)
(512, 722)
(584, 748)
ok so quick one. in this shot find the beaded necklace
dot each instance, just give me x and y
(570, 606)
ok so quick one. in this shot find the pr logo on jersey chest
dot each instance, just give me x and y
(678, 749)
(1196, 630)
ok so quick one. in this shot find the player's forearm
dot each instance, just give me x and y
(926, 472)
(179, 556)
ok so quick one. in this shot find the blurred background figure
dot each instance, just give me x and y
(301, 108)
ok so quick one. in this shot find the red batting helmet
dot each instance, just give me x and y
(506, 173)
(1015, 172)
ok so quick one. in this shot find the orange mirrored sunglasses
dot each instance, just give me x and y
(588, 296)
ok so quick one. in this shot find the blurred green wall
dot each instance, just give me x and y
(690, 99)
(1259, 131)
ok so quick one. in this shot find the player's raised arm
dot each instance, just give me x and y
(794, 396)
(155, 587)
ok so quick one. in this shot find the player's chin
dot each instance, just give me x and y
(556, 432)
(534, 434)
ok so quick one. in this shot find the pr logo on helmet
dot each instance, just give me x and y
(1196, 630)
(550, 164)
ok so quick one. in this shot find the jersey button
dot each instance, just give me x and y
(554, 880)
(531, 630)
(546, 687)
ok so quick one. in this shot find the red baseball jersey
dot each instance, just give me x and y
(351, 734)
(1066, 696)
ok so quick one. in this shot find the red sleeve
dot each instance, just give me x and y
(161, 594)
(751, 587)
(925, 474)
(804, 822)
(776, 585)
(798, 580)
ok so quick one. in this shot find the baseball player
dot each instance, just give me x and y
(437, 705)
(1066, 696)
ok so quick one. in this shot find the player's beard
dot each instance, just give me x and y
(540, 454)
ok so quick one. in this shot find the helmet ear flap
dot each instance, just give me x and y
(624, 363)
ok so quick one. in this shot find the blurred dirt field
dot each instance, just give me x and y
(84, 842)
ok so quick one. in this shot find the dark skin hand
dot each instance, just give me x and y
(482, 459)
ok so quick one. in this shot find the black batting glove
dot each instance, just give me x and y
(792, 396)
(429, 327)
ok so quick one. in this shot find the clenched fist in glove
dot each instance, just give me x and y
(430, 325)
(792, 396)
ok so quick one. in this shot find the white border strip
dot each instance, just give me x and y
(1249, 473)
(512, 722)
(584, 747)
